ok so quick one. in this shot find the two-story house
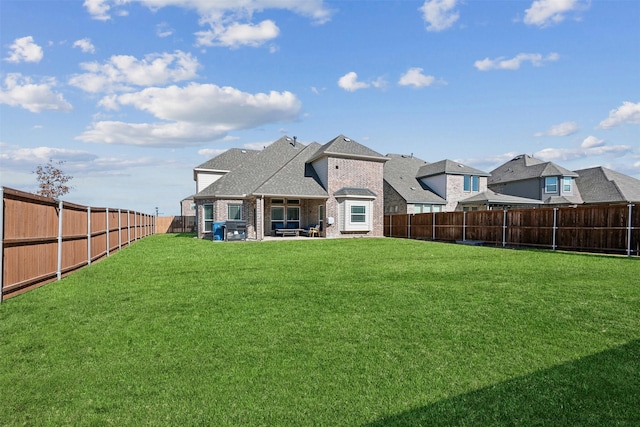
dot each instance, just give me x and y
(528, 177)
(337, 186)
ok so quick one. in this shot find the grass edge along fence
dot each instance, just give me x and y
(43, 240)
(612, 229)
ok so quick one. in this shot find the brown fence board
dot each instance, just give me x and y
(604, 229)
(32, 244)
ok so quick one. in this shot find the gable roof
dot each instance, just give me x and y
(227, 160)
(247, 176)
(296, 178)
(602, 185)
(341, 146)
(400, 173)
(448, 167)
(526, 167)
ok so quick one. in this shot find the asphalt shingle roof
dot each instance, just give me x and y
(602, 185)
(341, 146)
(526, 167)
(448, 167)
(400, 173)
(490, 196)
(296, 178)
(228, 160)
(246, 177)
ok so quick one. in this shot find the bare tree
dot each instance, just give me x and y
(52, 181)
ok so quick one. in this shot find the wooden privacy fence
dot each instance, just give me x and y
(45, 239)
(175, 224)
(604, 229)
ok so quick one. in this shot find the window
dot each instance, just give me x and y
(471, 183)
(293, 217)
(277, 217)
(208, 218)
(566, 184)
(551, 184)
(358, 213)
(234, 212)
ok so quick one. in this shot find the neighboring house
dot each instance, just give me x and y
(531, 178)
(338, 186)
(452, 181)
(600, 185)
(404, 193)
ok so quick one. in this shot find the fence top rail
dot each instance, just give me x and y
(11, 193)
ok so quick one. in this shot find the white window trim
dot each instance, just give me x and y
(546, 186)
(347, 224)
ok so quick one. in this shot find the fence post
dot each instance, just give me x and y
(629, 230)
(2, 246)
(433, 231)
(59, 269)
(504, 228)
(555, 222)
(119, 229)
(107, 227)
(88, 235)
(409, 226)
(464, 226)
(128, 227)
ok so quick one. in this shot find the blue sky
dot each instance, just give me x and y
(133, 94)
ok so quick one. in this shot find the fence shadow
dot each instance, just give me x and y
(598, 390)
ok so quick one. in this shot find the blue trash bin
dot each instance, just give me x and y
(218, 230)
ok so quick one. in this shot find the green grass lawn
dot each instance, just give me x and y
(375, 332)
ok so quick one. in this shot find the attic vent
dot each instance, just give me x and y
(244, 151)
(516, 158)
(460, 166)
(347, 139)
(413, 188)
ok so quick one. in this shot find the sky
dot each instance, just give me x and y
(131, 95)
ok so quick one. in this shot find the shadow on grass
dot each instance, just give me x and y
(187, 235)
(598, 390)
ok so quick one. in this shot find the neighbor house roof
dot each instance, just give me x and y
(400, 173)
(602, 185)
(448, 167)
(341, 146)
(526, 167)
(491, 197)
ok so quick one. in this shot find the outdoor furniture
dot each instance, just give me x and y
(312, 231)
(291, 232)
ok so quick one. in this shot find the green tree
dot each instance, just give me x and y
(52, 181)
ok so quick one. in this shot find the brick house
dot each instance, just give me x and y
(337, 187)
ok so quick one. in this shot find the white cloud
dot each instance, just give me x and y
(19, 158)
(414, 77)
(85, 45)
(350, 83)
(24, 50)
(122, 72)
(211, 152)
(192, 115)
(544, 13)
(592, 142)
(229, 20)
(562, 129)
(628, 112)
(20, 91)
(164, 30)
(514, 63)
(568, 154)
(439, 14)
(237, 35)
